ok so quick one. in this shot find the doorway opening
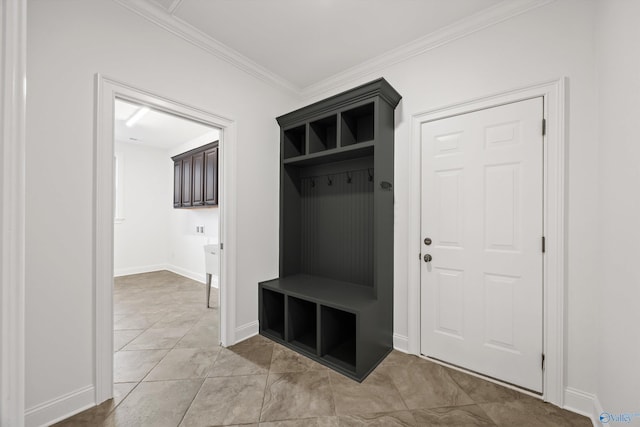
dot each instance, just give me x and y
(162, 290)
(189, 229)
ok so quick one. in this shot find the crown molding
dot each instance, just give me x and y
(161, 17)
(488, 17)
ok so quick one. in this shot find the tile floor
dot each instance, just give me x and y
(170, 371)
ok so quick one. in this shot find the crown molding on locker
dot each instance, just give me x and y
(473, 23)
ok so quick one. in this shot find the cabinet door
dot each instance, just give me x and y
(186, 181)
(177, 183)
(198, 180)
(211, 177)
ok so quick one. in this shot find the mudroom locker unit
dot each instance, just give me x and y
(333, 299)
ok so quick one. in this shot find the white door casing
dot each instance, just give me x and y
(482, 206)
(106, 91)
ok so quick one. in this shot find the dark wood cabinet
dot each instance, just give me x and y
(177, 183)
(197, 186)
(187, 181)
(195, 177)
(333, 299)
(211, 176)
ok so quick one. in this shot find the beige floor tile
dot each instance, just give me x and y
(297, 395)
(201, 337)
(285, 360)
(248, 358)
(532, 412)
(124, 337)
(155, 339)
(155, 404)
(393, 419)
(306, 422)
(424, 385)
(137, 321)
(132, 366)
(184, 363)
(482, 391)
(376, 394)
(227, 400)
(180, 320)
(456, 416)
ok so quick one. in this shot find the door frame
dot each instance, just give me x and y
(107, 90)
(554, 281)
(13, 22)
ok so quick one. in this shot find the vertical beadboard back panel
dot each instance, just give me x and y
(337, 226)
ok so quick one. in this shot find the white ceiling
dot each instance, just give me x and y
(158, 129)
(302, 43)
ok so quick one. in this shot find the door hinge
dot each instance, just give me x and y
(544, 244)
(221, 246)
(419, 257)
(544, 127)
(543, 361)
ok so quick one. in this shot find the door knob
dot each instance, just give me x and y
(427, 241)
(427, 258)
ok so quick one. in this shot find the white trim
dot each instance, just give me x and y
(578, 401)
(245, 331)
(139, 270)
(201, 278)
(597, 410)
(485, 18)
(198, 277)
(401, 343)
(13, 16)
(554, 96)
(106, 91)
(60, 408)
(158, 15)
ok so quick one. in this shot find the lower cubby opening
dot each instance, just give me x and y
(272, 321)
(303, 324)
(338, 337)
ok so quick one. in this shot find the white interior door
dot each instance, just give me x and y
(481, 293)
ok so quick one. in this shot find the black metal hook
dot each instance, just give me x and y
(329, 180)
(370, 172)
(313, 183)
(349, 177)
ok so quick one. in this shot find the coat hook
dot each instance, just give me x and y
(329, 180)
(370, 172)
(313, 182)
(348, 177)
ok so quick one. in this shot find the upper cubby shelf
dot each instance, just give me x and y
(357, 125)
(338, 128)
(294, 142)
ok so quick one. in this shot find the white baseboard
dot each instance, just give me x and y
(138, 270)
(60, 408)
(597, 410)
(246, 331)
(198, 277)
(401, 343)
(583, 403)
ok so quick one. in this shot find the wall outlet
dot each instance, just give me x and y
(199, 229)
